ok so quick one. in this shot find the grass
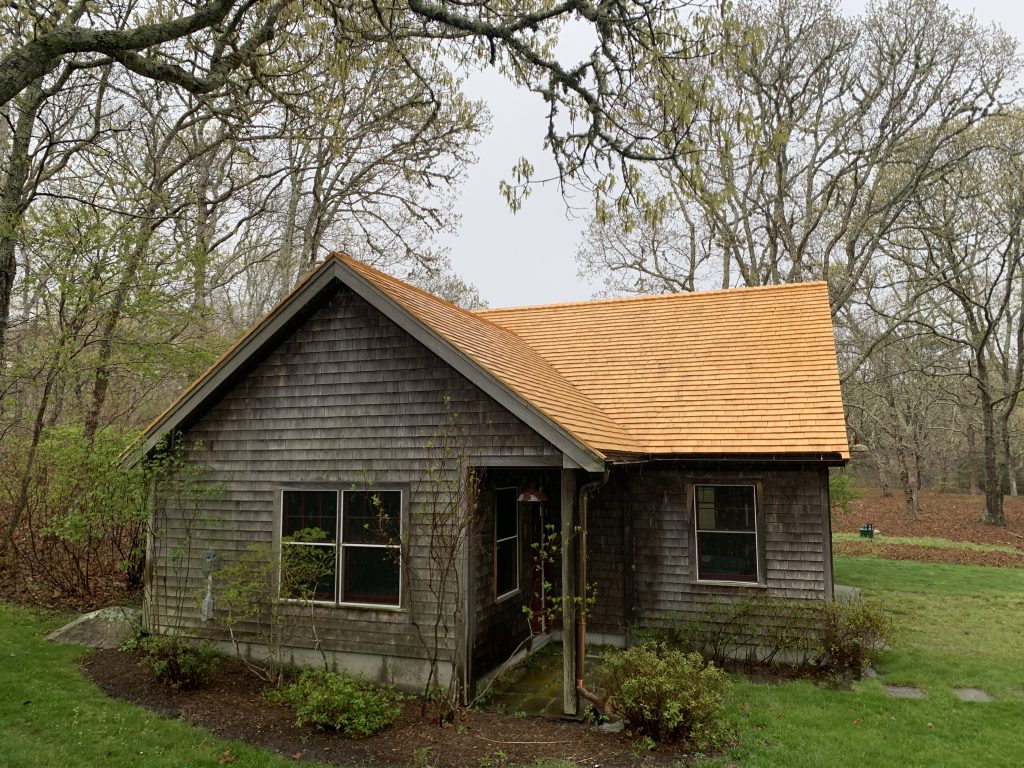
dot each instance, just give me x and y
(924, 541)
(957, 626)
(51, 716)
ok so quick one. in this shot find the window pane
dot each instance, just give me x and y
(310, 516)
(727, 556)
(308, 572)
(372, 575)
(505, 512)
(506, 566)
(372, 517)
(725, 508)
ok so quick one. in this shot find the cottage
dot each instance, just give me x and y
(675, 449)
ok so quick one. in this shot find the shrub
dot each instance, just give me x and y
(853, 632)
(79, 517)
(759, 630)
(665, 694)
(176, 662)
(764, 631)
(842, 491)
(342, 703)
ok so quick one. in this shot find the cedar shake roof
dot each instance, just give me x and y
(509, 359)
(739, 371)
(744, 372)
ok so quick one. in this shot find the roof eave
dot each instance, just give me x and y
(827, 458)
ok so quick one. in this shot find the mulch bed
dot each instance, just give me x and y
(953, 516)
(230, 706)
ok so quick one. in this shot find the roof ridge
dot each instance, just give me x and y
(680, 295)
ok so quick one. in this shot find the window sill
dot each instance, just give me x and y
(724, 583)
(508, 595)
(359, 606)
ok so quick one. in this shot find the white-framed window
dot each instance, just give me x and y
(342, 547)
(506, 542)
(726, 533)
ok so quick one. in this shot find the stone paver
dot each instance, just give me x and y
(972, 694)
(905, 692)
(535, 687)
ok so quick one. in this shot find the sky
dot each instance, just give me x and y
(530, 257)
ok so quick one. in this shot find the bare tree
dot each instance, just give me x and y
(807, 113)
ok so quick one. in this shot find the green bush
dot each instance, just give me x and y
(665, 694)
(842, 491)
(853, 632)
(342, 703)
(176, 662)
(766, 632)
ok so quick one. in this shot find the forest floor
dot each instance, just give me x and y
(948, 529)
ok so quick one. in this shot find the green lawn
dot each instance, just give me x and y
(956, 626)
(51, 716)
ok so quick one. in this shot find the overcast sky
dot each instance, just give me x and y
(530, 257)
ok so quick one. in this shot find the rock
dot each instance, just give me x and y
(615, 726)
(105, 628)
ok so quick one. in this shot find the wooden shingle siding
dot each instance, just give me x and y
(348, 399)
(792, 536)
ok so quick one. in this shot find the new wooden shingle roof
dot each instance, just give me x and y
(741, 371)
(747, 372)
(510, 359)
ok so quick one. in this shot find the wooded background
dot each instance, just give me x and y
(171, 169)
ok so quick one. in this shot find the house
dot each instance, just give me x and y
(676, 446)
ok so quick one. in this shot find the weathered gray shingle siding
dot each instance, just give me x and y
(348, 399)
(794, 515)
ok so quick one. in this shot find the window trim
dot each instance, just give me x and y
(694, 530)
(498, 598)
(338, 545)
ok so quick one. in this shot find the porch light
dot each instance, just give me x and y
(533, 495)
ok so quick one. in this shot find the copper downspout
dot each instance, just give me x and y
(581, 572)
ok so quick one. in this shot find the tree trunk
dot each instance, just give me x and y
(909, 488)
(993, 488)
(26, 479)
(972, 458)
(903, 454)
(1008, 469)
(101, 382)
(12, 201)
(286, 257)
